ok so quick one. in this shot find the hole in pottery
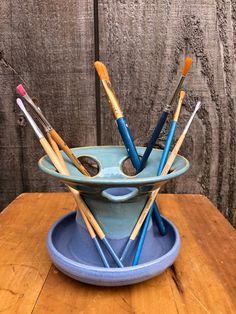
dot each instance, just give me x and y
(90, 164)
(170, 171)
(128, 168)
(119, 193)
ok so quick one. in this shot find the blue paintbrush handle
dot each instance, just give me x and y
(126, 249)
(153, 139)
(132, 152)
(162, 163)
(128, 142)
(142, 238)
(100, 251)
(112, 252)
(159, 220)
(167, 147)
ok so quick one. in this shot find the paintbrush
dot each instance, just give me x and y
(164, 172)
(52, 132)
(118, 114)
(163, 160)
(88, 225)
(123, 128)
(162, 120)
(80, 202)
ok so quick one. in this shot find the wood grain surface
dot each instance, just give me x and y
(143, 44)
(50, 48)
(202, 280)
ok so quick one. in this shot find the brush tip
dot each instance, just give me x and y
(20, 90)
(187, 65)
(182, 94)
(198, 105)
(102, 71)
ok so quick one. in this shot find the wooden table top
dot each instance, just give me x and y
(202, 280)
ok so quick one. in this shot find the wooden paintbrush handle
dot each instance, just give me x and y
(177, 111)
(68, 152)
(172, 155)
(51, 154)
(56, 150)
(144, 214)
(89, 215)
(77, 198)
(73, 191)
(80, 202)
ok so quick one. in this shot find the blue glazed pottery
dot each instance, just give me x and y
(73, 252)
(116, 200)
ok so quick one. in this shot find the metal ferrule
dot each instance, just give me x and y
(175, 94)
(47, 126)
(113, 101)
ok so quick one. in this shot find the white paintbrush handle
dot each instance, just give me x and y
(29, 118)
(198, 106)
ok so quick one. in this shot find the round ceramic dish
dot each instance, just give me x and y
(73, 252)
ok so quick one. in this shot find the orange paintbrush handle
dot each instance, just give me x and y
(56, 137)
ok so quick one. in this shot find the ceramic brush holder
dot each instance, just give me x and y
(116, 201)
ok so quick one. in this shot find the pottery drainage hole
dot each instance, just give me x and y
(128, 168)
(90, 164)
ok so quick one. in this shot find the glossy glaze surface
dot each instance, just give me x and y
(73, 252)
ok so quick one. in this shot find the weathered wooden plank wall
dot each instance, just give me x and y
(47, 46)
(144, 44)
(50, 48)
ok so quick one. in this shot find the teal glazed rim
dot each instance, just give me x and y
(179, 167)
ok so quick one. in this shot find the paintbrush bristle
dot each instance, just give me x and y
(182, 94)
(102, 71)
(198, 106)
(20, 90)
(187, 65)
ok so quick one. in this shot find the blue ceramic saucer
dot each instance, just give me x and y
(73, 252)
